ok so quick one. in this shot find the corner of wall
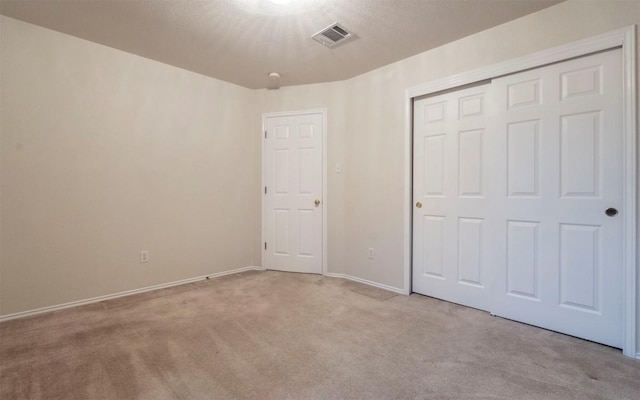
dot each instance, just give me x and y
(256, 160)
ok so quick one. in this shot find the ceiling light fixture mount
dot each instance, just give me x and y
(274, 81)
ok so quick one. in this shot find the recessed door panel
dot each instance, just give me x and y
(470, 248)
(522, 94)
(433, 228)
(523, 158)
(579, 266)
(305, 131)
(307, 232)
(282, 172)
(434, 163)
(581, 82)
(470, 163)
(435, 112)
(281, 132)
(305, 170)
(282, 232)
(523, 258)
(579, 154)
(471, 106)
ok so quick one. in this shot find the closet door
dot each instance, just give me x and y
(558, 211)
(450, 197)
(518, 195)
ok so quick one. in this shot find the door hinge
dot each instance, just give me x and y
(265, 190)
(265, 245)
(265, 134)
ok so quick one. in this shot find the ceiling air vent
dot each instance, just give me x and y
(333, 35)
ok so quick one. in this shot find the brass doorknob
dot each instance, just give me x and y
(317, 202)
(419, 205)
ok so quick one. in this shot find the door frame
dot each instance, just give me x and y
(323, 205)
(624, 38)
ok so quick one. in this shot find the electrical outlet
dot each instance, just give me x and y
(372, 253)
(144, 256)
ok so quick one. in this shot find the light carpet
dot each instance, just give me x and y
(274, 335)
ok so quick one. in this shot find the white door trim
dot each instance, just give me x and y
(322, 111)
(623, 37)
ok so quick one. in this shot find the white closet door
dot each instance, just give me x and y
(558, 140)
(450, 197)
(519, 213)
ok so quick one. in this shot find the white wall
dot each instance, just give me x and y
(372, 123)
(104, 154)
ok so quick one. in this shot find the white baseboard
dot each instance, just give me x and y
(366, 282)
(28, 313)
(37, 311)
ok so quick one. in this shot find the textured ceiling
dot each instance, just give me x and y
(241, 41)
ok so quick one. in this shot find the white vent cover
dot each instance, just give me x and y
(332, 35)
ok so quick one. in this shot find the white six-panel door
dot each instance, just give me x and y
(450, 197)
(293, 192)
(548, 165)
(559, 138)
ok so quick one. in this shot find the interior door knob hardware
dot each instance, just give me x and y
(317, 202)
(611, 212)
(419, 205)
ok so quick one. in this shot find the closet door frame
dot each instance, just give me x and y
(623, 38)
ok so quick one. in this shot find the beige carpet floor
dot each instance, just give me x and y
(273, 335)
